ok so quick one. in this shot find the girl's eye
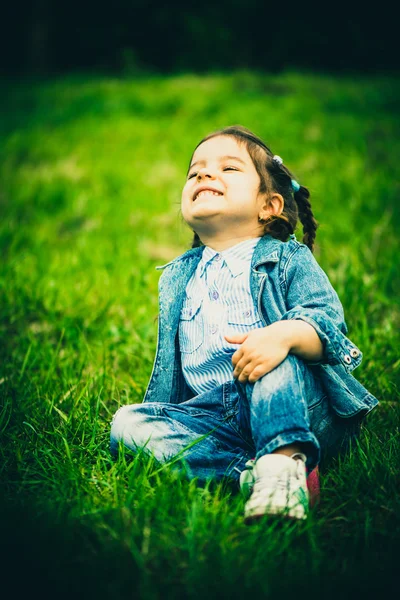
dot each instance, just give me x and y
(224, 169)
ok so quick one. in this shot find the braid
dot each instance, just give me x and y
(282, 179)
(306, 216)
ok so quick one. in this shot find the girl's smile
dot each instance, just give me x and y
(205, 191)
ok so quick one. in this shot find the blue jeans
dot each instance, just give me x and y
(217, 431)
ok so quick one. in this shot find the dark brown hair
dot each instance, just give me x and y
(274, 177)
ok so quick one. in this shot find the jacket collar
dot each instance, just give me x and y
(267, 250)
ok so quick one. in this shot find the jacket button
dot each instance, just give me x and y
(354, 352)
(347, 359)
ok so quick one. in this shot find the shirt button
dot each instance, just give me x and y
(354, 352)
(347, 359)
(213, 329)
(215, 295)
(247, 313)
(218, 257)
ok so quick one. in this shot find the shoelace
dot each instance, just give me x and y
(263, 482)
(281, 479)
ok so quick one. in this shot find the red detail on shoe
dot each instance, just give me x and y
(313, 487)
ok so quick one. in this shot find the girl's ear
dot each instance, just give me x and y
(273, 205)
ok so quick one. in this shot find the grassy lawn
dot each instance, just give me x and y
(91, 171)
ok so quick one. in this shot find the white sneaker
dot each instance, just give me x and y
(248, 478)
(280, 487)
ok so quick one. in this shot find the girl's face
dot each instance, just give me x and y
(221, 191)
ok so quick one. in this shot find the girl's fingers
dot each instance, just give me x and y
(253, 372)
(237, 356)
(244, 372)
(236, 339)
(257, 373)
(241, 363)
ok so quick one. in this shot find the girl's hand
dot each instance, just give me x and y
(260, 352)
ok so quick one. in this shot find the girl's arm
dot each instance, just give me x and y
(302, 339)
(263, 349)
(313, 327)
(311, 298)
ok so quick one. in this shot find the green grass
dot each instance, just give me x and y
(91, 173)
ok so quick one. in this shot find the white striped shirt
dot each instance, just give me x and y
(218, 302)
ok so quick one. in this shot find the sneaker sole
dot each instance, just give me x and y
(256, 517)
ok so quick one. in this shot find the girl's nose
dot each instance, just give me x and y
(204, 172)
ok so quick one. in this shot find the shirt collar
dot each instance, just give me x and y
(236, 258)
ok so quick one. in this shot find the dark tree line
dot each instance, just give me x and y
(43, 36)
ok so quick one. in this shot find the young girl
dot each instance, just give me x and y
(253, 366)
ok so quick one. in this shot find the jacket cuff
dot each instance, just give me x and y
(338, 349)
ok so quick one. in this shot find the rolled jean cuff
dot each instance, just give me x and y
(313, 447)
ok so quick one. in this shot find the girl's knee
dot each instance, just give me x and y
(127, 427)
(117, 429)
(288, 372)
(140, 426)
(118, 422)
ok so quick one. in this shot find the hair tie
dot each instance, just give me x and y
(279, 161)
(295, 185)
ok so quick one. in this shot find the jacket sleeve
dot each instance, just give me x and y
(310, 297)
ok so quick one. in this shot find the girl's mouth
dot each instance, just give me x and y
(206, 192)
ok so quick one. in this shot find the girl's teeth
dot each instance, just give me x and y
(208, 192)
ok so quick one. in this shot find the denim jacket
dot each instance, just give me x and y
(286, 282)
